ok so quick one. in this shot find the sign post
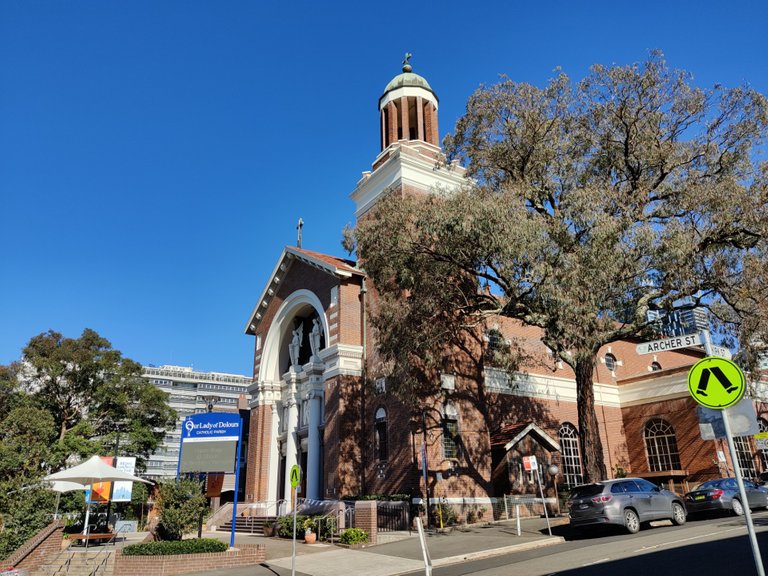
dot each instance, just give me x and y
(295, 480)
(718, 383)
(210, 442)
(531, 465)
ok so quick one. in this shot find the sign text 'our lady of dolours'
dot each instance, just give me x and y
(211, 426)
(209, 442)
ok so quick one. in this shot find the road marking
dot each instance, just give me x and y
(596, 562)
(699, 537)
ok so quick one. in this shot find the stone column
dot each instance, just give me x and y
(291, 451)
(404, 120)
(274, 456)
(383, 130)
(420, 118)
(314, 482)
(392, 121)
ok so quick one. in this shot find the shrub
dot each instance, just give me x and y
(309, 524)
(353, 536)
(173, 547)
(181, 504)
(326, 527)
(285, 525)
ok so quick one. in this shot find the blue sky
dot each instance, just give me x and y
(155, 156)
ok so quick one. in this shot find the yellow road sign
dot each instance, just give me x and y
(716, 383)
(295, 475)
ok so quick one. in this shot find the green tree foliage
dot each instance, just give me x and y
(65, 400)
(180, 504)
(26, 434)
(23, 513)
(589, 204)
(93, 393)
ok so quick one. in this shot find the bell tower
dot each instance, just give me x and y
(410, 160)
(408, 109)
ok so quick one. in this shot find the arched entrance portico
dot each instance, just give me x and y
(292, 368)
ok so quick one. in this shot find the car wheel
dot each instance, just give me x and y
(631, 521)
(738, 509)
(678, 514)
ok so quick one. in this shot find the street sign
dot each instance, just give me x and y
(716, 382)
(741, 417)
(530, 464)
(669, 344)
(721, 351)
(761, 440)
(295, 475)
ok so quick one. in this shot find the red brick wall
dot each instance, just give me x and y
(697, 457)
(245, 555)
(38, 549)
(366, 519)
(259, 441)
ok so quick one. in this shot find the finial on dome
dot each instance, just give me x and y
(406, 64)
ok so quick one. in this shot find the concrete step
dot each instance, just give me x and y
(248, 524)
(79, 563)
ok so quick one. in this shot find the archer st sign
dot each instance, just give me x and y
(669, 344)
(211, 426)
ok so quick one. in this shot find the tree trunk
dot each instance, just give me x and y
(590, 445)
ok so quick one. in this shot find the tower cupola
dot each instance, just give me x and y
(408, 109)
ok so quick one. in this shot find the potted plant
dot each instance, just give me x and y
(310, 530)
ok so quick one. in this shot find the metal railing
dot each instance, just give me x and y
(250, 509)
(392, 516)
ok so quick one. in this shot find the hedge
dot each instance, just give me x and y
(173, 547)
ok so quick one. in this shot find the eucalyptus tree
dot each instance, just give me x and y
(93, 393)
(588, 205)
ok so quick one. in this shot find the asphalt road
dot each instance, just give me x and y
(702, 547)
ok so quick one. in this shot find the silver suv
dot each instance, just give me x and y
(627, 502)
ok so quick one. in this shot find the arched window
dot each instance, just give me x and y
(610, 362)
(381, 446)
(744, 456)
(450, 431)
(497, 347)
(661, 445)
(571, 458)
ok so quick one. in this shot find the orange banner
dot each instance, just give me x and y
(100, 491)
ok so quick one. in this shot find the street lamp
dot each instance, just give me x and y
(424, 458)
(554, 471)
(210, 401)
(119, 425)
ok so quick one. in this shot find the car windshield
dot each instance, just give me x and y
(586, 491)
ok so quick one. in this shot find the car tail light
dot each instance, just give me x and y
(715, 494)
(602, 499)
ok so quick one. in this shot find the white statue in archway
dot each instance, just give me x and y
(295, 345)
(314, 337)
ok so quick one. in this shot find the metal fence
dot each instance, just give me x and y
(392, 516)
(512, 506)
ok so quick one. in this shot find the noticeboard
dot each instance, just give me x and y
(209, 442)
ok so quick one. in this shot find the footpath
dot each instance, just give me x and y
(400, 556)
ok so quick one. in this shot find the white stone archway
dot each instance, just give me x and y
(273, 350)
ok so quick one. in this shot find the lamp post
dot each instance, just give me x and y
(118, 426)
(210, 402)
(424, 458)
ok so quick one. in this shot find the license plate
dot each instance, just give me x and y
(700, 497)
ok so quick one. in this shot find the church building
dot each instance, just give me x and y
(317, 400)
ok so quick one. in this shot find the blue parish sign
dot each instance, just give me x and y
(211, 426)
